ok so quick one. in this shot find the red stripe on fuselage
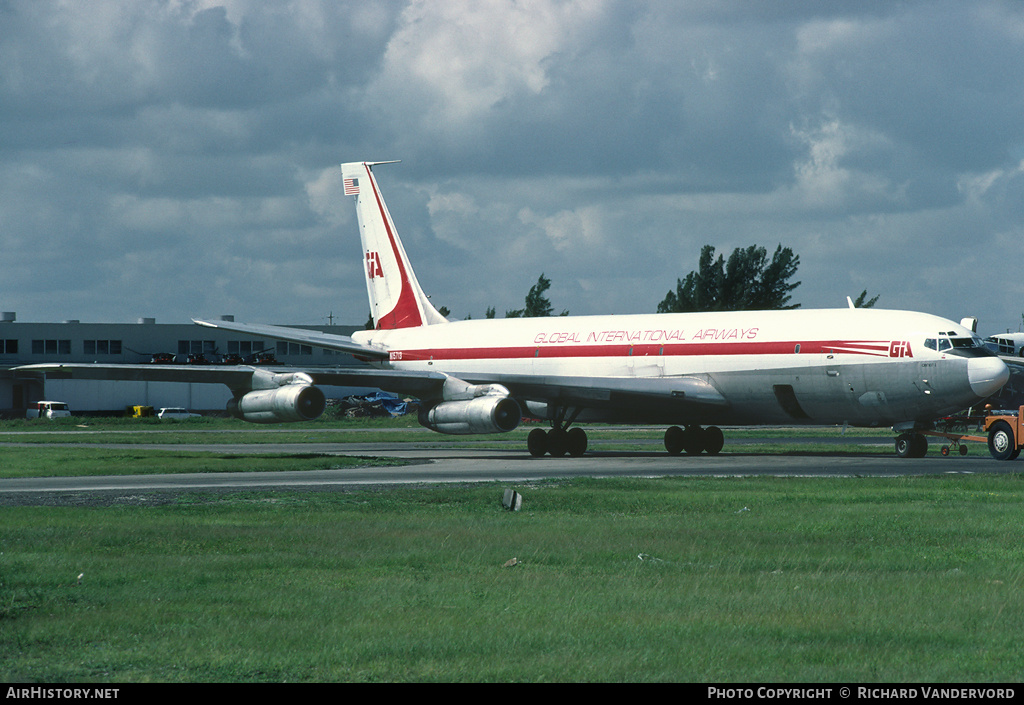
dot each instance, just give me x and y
(869, 348)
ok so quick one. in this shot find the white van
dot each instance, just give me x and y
(47, 410)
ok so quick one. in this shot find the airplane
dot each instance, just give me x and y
(691, 372)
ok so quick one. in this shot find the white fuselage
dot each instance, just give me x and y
(861, 366)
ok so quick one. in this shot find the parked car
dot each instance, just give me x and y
(175, 413)
(47, 410)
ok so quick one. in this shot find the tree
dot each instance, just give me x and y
(747, 281)
(860, 302)
(537, 305)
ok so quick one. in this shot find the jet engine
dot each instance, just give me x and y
(467, 408)
(485, 414)
(296, 399)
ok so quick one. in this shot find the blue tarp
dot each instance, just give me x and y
(391, 403)
(374, 404)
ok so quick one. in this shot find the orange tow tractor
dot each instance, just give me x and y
(1004, 434)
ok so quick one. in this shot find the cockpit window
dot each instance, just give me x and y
(962, 346)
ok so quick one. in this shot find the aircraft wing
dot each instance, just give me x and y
(599, 392)
(643, 395)
(596, 392)
(616, 392)
(240, 377)
(689, 392)
(330, 341)
(231, 375)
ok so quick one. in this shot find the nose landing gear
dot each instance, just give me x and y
(911, 445)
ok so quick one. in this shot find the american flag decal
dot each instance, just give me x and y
(351, 187)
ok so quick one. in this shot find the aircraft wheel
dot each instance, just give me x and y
(1001, 443)
(945, 450)
(714, 439)
(674, 440)
(576, 441)
(911, 445)
(919, 446)
(558, 442)
(963, 450)
(903, 445)
(693, 440)
(537, 442)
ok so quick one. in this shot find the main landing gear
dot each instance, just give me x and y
(558, 442)
(562, 440)
(694, 440)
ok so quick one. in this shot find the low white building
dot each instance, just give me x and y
(140, 343)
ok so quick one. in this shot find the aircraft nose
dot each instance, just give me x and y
(987, 375)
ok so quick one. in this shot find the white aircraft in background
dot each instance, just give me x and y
(689, 371)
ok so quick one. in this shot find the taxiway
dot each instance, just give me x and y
(429, 464)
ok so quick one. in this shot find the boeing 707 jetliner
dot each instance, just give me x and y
(691, 372)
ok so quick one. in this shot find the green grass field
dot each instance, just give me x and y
(683, 579)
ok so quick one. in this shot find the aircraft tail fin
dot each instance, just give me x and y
(396, 298)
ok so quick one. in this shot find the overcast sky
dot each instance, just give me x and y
(179, 158)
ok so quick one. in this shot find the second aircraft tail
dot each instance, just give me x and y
(396, 299)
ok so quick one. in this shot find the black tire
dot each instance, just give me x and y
(558, 442)
(674, 440)
(537, 442)
(903, 445)
(911, 445)
(1001, 443)
(919, 446)
(576, 441)
(693, 440)
(714, 439)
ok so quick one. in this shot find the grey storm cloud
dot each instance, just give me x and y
(179, 158)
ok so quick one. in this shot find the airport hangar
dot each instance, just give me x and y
(141, 342)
